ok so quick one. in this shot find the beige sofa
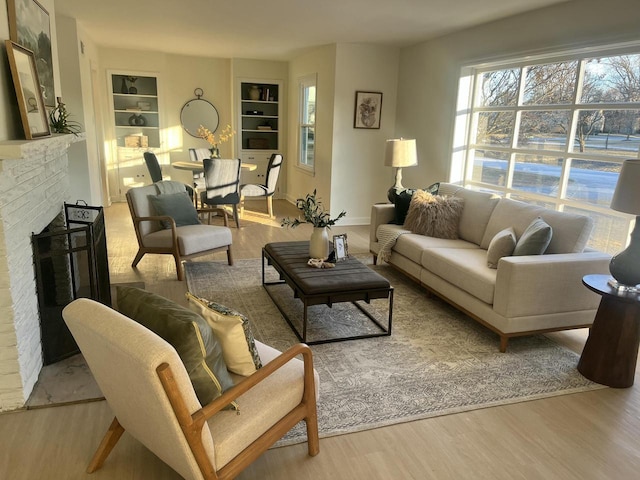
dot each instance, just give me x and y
(525, 294)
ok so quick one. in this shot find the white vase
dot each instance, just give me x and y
(319, 243)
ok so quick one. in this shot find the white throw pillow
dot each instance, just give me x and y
(501, 245)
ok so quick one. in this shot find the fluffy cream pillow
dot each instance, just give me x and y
(502, 245)
(434, 215)
(234, 333)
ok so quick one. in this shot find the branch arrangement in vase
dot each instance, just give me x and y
(313, 212)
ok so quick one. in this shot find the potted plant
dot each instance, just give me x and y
(313, 212)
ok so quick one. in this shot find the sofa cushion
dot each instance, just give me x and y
(501, 245)
(570, 231)
(478, 207)
(191, 238)
(187, 332)
(466, 268)
(535, 239)
(411, 245)
(434, 215)
(234, 333)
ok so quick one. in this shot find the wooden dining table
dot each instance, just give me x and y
(198, 167)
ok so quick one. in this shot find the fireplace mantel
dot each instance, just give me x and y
(19, 149)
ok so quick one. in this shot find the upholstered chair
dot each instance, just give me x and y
(176, 229)
(147, 387)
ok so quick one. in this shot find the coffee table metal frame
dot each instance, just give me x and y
(328, 299)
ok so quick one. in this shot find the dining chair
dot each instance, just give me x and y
(222, 185)
(146, 385)
(264, 190)
(181, 235)
(155, 170)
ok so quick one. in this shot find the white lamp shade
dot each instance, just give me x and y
(626, 197)
(401, 152)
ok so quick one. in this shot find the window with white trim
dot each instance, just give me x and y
(307, 122)
(553, 131)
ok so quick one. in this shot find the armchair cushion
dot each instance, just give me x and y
(233, 332)
(177, 206)
(187, 332)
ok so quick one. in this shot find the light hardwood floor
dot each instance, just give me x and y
(592, 435)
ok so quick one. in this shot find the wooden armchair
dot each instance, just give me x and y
(147, 387)
(183, 242)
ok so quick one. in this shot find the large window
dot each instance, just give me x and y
(307, 122)
(553, 132)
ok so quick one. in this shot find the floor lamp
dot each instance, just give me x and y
(400, 152)
(625, 266)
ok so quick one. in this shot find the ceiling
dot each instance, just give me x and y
(277, 29)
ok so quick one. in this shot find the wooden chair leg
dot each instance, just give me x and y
(139, 256)
(108, 442)
(270, 206)
(179, 269)
(313, 441)
(242, 206)
(235, 214)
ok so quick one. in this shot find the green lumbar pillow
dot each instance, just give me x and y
(187, 332)
(177, 206)
(535, 239)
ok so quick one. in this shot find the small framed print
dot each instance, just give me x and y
(367, 110)
(340, 247)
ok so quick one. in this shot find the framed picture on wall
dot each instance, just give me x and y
(367, 110)
(25, 80)
(29, 26)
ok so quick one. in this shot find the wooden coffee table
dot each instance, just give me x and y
(350, 281)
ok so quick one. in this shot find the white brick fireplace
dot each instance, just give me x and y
(34, 184)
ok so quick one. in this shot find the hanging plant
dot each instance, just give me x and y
(59, 120)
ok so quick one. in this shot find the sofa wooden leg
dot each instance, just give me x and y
(375, 259)
(504, 341)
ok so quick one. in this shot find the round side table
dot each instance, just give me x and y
(611, 351)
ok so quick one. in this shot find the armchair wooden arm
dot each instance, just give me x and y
(192, 424)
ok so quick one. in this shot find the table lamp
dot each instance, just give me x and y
(625, 266)
(400, 152)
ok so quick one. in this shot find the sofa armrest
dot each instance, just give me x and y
(381, 213)
(543, 284)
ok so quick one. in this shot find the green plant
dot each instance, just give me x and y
(313, 212)
(59, 120)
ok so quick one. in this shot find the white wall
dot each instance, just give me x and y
(429, 71)
(359, 177)
(319, 61)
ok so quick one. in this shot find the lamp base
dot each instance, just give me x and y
(613, 283)
(625, 266)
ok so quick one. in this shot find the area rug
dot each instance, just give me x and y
(437, 360)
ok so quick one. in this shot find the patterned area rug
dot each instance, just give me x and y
(437, 360)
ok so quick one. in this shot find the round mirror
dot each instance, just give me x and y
(198, 112)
